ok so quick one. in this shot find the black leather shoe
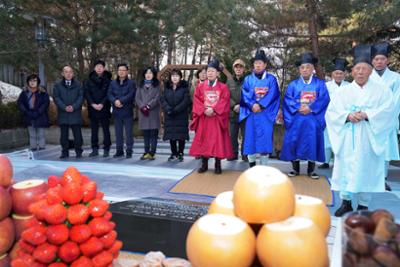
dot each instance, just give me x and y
(94, 153)
(293, 174)
(204, 165)
(362, 207)
(217, 169)
(323, 166)
(310, 167)
(106, 153)
(344, 208)
(78, 155)
(172, 157)
(296, 168)
(64, 156)
(118, 155)
(387, 187)
(313, 175)
(252, 164)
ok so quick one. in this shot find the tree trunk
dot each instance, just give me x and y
(312, 26)
(186, 50)
(196, 45)
(170, 50)
(201, 54)
(93, 43)
(79, 52)
(210, 53)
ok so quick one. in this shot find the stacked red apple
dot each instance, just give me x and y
(261, 217)
(23, 194)
(74, 226)
(7, 232)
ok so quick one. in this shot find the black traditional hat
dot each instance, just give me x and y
(260, 55)
(307, 58)
(361, 54)
(99, 61)
(340, 64)
(215, 64)
(381, 49)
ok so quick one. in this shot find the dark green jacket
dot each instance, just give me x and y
(235, 87)
(65, 96)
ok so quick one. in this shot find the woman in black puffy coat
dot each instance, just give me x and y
(175, 102)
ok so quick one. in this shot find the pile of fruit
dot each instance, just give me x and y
(261, 220)
(7, 231)
(72, 226)
(372, 239)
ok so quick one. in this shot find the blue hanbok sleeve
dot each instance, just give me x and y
(291, 101)
(291, 104)
(270, 102)
(321, 103)
(248, 98)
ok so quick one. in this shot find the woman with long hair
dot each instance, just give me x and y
(148, 101)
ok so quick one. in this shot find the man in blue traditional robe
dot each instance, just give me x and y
(359, 119)
(304, 106)
(259, 107)
(338, 75)
(382, 74)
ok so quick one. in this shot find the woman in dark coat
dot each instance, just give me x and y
(148, 101)
(33, 103)
(175, 102)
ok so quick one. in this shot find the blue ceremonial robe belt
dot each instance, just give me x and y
(354, 109)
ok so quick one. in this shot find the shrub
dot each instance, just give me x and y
(10, 116)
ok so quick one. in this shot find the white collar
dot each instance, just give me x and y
(309, 81)
(214, 84)
(264, 74)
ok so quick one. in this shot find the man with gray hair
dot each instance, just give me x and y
(359, 119)
(68, 97)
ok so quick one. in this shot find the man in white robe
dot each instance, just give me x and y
(359, 119)
(382, 74)
(338, 75)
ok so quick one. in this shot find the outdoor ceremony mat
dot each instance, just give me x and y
(211, 184)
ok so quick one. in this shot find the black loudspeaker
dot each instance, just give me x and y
(156, 224)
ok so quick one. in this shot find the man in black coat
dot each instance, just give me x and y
(68, 97)
(96, 88)
(121, 94)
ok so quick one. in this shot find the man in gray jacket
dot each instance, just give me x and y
(68, 97)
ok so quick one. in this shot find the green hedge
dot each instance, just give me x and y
(10, 116)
